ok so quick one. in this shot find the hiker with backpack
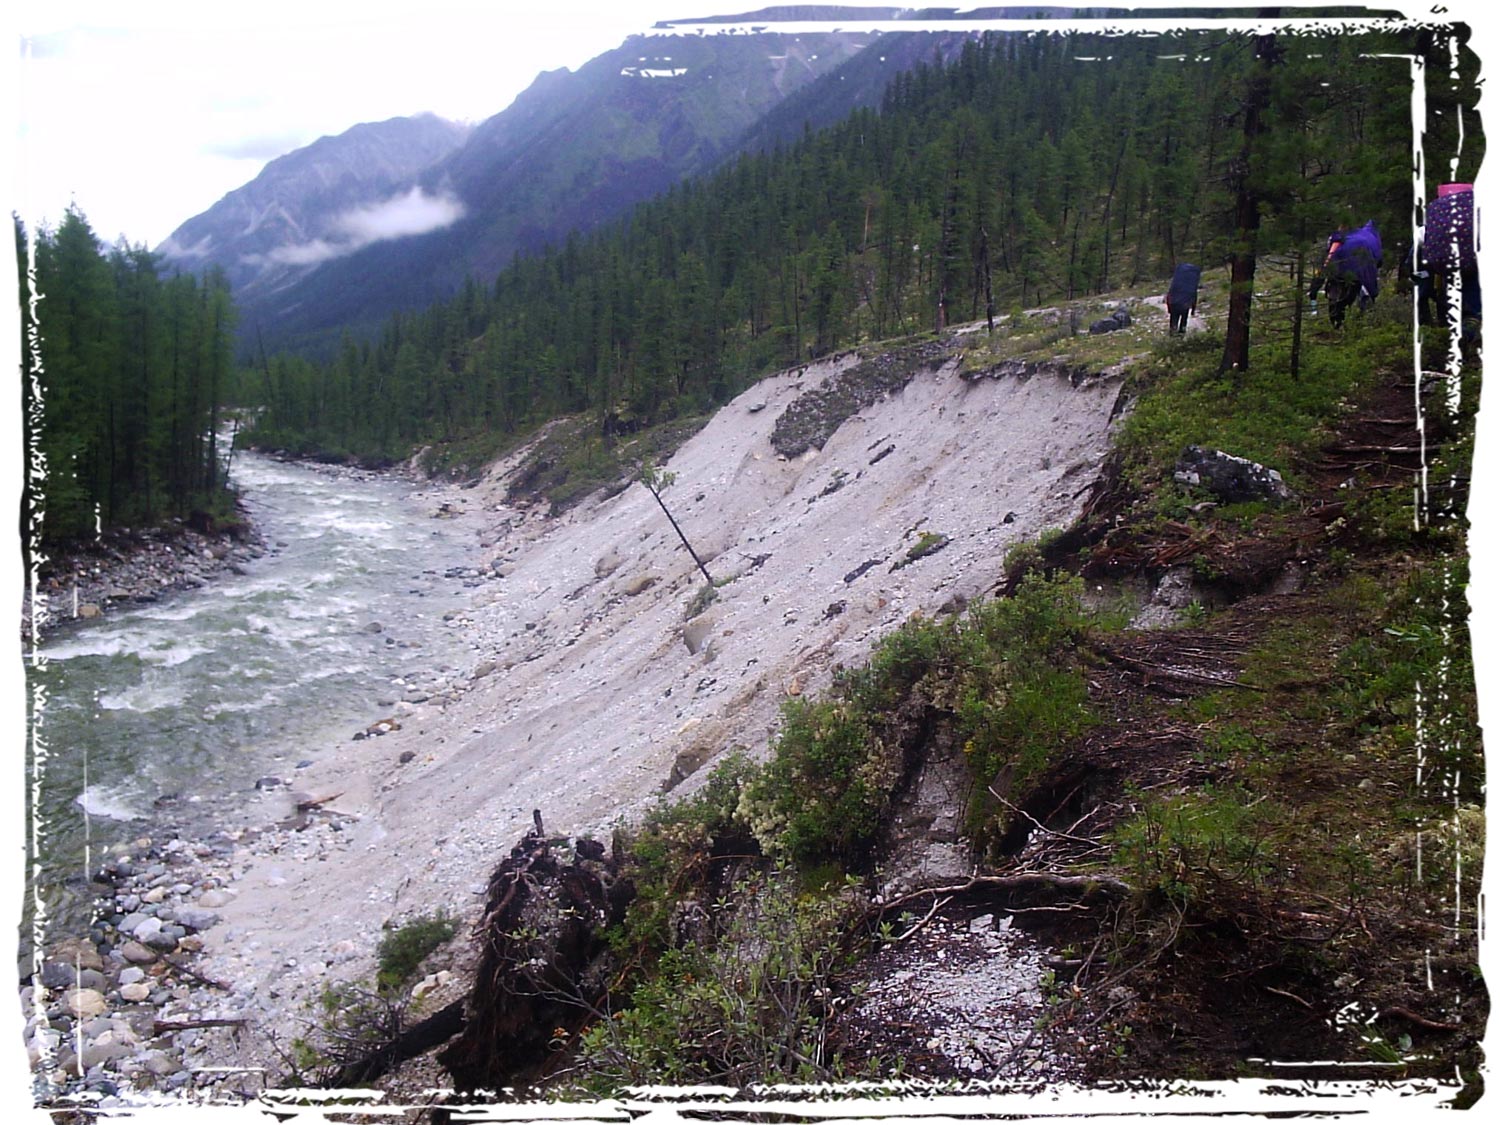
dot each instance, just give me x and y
(1350, 271)
(1182, 297)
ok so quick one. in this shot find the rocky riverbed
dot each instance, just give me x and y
(134, 567)
(593, 682)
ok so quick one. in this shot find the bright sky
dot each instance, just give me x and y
(146, 113)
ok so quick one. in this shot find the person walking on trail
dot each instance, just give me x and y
(1448, 248)
(1182, 297)
(1349, 271)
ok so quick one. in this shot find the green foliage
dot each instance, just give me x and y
(672, 849)
(1414, 677)
(749, 1007)
(928, 543)
(1265, 416)
(654, 478)
(128, 373)
(349, 1022)
(980, 183)
(403, 949)
(702, 598)
(1187, 847)
(1006, 676)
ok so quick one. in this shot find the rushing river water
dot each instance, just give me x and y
(171, 711)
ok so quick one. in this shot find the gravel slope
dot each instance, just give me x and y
(587, 686)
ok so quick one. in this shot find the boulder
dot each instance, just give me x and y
(1230, 479)
(695, 633)
(640, 584)
(607, 564)
(136, 953)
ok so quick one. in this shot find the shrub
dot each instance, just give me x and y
(1007, 676)
(403, 949)
(749, 1008)
(1185, 846)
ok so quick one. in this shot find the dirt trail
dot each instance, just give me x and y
(592, 686)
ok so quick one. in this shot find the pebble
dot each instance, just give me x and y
(85, 1002)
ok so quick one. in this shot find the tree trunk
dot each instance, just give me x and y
(1236, 358)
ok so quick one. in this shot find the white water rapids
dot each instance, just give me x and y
(167, 713)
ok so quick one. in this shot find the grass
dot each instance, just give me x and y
(1265, 415)
(573, 460)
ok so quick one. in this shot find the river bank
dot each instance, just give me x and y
(194, 637)
(133, 567)
(591, 687)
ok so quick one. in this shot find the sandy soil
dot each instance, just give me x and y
(588, 685)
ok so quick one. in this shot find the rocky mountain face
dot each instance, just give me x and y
(312, 203)
(390, 216)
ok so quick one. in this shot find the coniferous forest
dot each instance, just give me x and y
(1029, 169)
(124, 387)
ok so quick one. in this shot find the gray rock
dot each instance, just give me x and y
(161, 940)
(695, 633)
(57, 974)
(1231, 479)
(197, 919)
(145, 928)
(639, 584)
(136, 953)
(160, 1063)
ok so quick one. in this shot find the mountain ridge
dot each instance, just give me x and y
(574, 149)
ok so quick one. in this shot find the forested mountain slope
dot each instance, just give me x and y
(575, 149)
(1023, 171)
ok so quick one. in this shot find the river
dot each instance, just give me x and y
(163, 716)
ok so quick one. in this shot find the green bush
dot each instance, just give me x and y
(1186, 846)
(751, 1006)
(403, 949)
(1007, 677)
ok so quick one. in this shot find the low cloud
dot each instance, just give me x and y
(308, 253)
(401, 216)
(171, 248)
(416, 212)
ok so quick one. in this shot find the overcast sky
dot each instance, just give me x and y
(146, 112)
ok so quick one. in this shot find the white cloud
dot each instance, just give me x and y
(400, 216)
(416, 212)
(302, 253)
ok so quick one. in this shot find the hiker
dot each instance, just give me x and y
(1447, 247)
(1349, 271)
(1182, 297)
